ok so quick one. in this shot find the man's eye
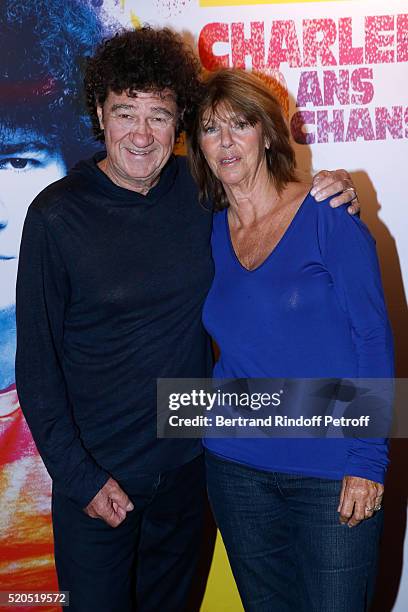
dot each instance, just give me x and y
(18, 163)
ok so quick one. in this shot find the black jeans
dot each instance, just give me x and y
(145, 564)
(287, 549)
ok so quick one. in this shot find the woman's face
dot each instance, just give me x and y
(234, 149)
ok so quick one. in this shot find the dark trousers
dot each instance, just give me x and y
(287, 549)
(145, 564)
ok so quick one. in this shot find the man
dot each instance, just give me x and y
(115, 265)
(43, 127)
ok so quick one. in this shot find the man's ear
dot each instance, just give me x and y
(99, 111)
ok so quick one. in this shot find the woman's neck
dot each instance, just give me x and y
(251, 201)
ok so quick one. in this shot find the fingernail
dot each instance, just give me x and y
(129, 507)
(313, 191)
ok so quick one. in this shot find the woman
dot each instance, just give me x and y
(286, 301)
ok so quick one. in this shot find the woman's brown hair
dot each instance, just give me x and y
(246, 96)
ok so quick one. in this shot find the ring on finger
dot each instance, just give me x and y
(377, 507)
(369, 509)
(350, 189)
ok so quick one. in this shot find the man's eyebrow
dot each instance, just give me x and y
(154, 109)
(122, 106)
(22, 147)
(161, 109)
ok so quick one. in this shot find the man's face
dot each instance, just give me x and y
(139, 136)
(27, 166)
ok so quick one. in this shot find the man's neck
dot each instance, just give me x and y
(138, 185)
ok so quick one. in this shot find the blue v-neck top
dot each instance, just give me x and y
(313, 308)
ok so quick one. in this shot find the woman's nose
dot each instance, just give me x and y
(226, 140)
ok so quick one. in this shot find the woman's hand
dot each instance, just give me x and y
(359, 499)
(327, 183)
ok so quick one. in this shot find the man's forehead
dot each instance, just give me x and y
(164, 98)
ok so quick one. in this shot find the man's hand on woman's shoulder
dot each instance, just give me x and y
(328, 183)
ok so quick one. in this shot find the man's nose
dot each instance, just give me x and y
(141, 134)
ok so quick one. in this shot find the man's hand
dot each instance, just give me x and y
(359, 499)
(326, 184)
(110, 504)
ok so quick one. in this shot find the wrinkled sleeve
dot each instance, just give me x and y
(349, 253)
(43, 293)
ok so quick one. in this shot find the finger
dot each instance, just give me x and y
(339, 200)
(346, 509)
(121, 513)
(364, 507)
(327, 188)
(358, 514)
(325, 177)
(114, 521)
(334, 181)
(110, 512)
(354, 208)
(343, 487)
(370, 507)
(99, 505)
(380, 489)
(350, 193)
(321, 181)
(342, 174)
(320, 176)
(113, 517)
(378, 503)
(117, 495)
(368, 512)
(90, 512)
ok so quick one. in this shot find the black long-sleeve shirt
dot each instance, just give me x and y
(109, 296)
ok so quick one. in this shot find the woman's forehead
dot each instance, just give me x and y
(222, 110)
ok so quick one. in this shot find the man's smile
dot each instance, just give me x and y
(136, 152)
